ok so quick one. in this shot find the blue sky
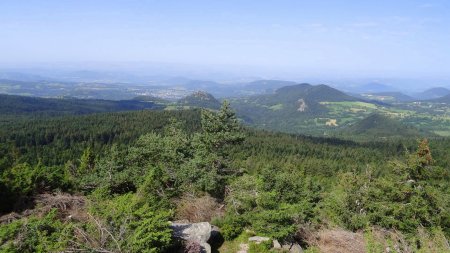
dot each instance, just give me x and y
(361, 38)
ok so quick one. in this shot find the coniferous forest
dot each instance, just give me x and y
(113, 182)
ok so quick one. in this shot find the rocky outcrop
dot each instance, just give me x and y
(193, 232)
(302, 106)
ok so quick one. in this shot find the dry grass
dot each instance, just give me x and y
(68, 206)
(389, 240)
(338, 241)
(10, 217)
(198, 209)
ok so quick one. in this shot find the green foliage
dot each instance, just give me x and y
(87, 162)
(23, 180)
(231, 226)
(276, 223)
(158, 187)
(219, 130)
(8, 233)
(150, 231)
(274, 202)
(263, 247)
(19, 179)
(45, 234)
(401, 200)
(136, 225)
(49, 178)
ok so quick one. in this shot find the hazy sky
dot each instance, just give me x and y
(395, 37)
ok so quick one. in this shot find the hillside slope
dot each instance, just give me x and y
(377, 125)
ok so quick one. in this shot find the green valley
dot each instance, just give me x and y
(323, 111)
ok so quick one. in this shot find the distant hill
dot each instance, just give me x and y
(22, 105)
(377, 125)
(316, 93)
(445, 99)
(302, 97)
(388, 97)
(200, 99)
(432, 93)
(295, 108)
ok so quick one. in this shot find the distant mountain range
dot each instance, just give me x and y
(299, 108)
(118, 85)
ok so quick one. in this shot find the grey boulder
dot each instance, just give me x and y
(196, 232)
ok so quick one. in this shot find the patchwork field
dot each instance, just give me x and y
(333, 118)
(431, 117)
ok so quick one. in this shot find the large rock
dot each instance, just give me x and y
(195, 232)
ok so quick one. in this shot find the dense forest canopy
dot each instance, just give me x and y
(110, 182)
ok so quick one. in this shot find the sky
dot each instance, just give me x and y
(400, 38)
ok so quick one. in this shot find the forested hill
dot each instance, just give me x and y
(200, 99)
(22, 105)
(317, 93)
(294, 108)
(378, 125)
(292, 97)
